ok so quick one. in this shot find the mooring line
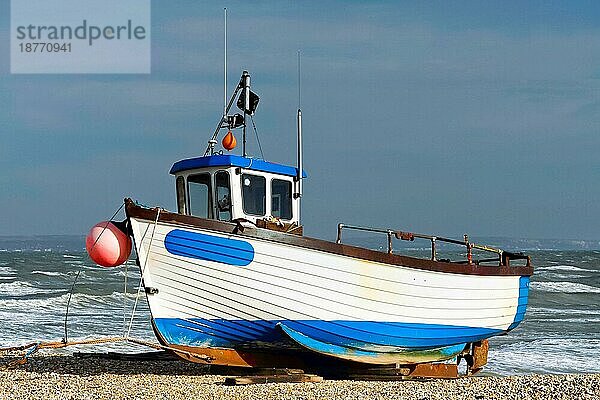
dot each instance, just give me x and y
(65, 339)
(125, 299)
(143, 270)
(34, 347)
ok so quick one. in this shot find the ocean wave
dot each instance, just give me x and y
(113, 300)
(20, 288)
(545, 355)
(47, 273)
(564, 287)
(566, 311)
(568, 276)
(6, 270)
(565, 268)
(131, 273)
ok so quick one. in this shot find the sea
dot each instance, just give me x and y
(560, 333)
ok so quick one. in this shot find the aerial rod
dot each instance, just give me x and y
(298, 79)
(298, 194)
(225, 66)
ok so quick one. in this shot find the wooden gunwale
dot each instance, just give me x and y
(136, 211)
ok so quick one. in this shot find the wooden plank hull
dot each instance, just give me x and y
(235, 294)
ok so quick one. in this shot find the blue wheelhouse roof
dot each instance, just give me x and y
(234, 161)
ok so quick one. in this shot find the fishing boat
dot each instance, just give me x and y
(231, 277)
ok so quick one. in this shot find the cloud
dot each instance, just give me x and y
(440, 119)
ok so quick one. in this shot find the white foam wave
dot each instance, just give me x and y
(77, 300)
(565, 311)
(130, 273)
(565, 268)
(6, 270)
(70, 256)
(20, 288)
(569, 276)
(47, 273)
(546, 355)
(564, 287)
(36, 304)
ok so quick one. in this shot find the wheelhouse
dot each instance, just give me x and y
(229, 187)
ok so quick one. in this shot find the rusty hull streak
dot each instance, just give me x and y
(133, 210)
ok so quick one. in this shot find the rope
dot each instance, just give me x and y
(65, 339)
(257, 139)
(125, 301)
(36, 346)
(137, 297)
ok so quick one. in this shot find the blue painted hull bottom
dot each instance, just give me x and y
(394, 355)
(361, 341)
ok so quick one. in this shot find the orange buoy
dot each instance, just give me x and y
(229, 141)
(107, 245)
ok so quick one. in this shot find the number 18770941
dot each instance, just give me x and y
(45, 47)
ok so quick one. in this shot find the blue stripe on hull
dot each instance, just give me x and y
(362, 335)
(208, 247)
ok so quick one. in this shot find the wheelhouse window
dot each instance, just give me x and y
(281, 199)
(254, 194)
(180, 187)
(223, 194)
(199, 189)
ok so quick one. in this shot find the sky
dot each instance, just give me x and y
(474, 117)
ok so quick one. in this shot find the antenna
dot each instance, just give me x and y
(225, 66)
(298, 79)
(298, 194)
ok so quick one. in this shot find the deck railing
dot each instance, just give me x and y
(503, 257)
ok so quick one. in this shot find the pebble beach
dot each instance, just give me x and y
(68, 377)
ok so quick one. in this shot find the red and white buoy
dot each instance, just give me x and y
(107, 245)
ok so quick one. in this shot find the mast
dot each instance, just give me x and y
(298, 194)
(299, 174)
(246, 87)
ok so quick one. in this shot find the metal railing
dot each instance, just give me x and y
(503, 257)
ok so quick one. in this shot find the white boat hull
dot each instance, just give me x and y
(217, 290)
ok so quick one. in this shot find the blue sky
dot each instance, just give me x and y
(478, 117)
